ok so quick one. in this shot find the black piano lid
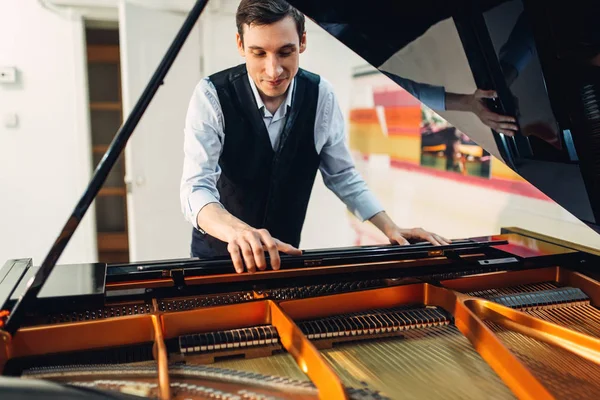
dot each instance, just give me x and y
(11, 274)
(462, 45)
(67, 282)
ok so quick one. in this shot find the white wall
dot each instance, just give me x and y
(157, 228)
(217, 26)
(45, 162)
(326, 222)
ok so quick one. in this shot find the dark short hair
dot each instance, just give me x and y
(265, 12)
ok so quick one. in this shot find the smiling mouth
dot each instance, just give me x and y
(275, 82)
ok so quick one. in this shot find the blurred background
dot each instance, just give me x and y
(81, 66)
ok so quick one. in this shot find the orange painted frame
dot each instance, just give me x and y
(77, 336)
(516, 376)
(255, 313)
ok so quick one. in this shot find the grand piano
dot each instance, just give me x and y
(510, 315)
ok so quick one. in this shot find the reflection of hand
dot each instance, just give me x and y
(475, 103)
(500, 123)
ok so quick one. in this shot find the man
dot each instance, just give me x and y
(255, 136)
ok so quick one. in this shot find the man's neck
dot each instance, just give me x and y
(273, 103)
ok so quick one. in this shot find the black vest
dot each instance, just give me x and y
(262, 187)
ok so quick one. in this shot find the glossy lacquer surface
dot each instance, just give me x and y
(538, 57)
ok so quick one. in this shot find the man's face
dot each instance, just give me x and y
(272, 55)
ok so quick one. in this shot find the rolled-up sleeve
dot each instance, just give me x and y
(203, 143)
(337, 166)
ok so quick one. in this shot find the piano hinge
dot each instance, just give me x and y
(176, 274)
(5, 339)
(496, 261)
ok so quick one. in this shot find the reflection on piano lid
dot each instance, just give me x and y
(536, 55)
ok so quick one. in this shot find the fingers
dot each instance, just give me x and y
(287, 248)
(505, 127)
(258, 252)
(270, 245)
(248, 255)
(503, 118)
(399, 239)
(486, 94)
(234, 252)
(248, 249)
(442, 240)
(500, 119)
(500, 123)
(432, 239)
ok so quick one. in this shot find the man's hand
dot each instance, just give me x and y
(499, 123)
(248, 245)
(403, 236)
(475, 103)
(397, 235)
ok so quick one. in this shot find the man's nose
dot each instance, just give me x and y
(273, 67)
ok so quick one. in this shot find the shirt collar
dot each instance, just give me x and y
(281, 111)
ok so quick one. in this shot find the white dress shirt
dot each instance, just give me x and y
(204, 135)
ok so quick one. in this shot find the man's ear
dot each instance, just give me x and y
(240, 44)
(303, 42)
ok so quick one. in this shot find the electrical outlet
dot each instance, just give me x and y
(8, 74)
